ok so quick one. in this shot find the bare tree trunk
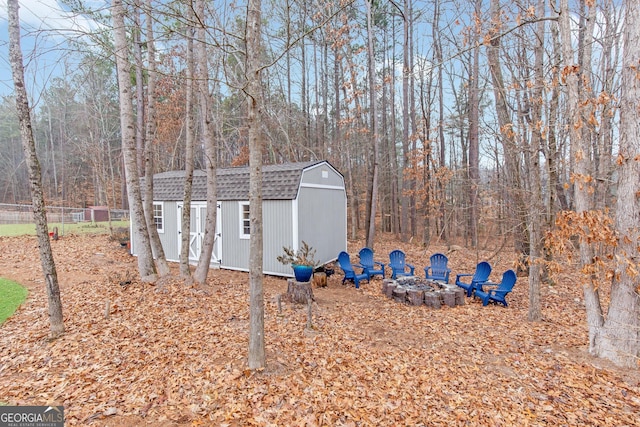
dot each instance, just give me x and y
(185, 228)
(404, 196)
(371, 221)
(516, 206)
(385, 141)
(556, 200)
(353, 190)
(604, 151)
(415, 137)
(556, 189)
(150, 134)
(474, 129)
(289, 79)
(304, 90)
(619, 339)
(536, 206)
(580, 154)
(140, 104)
(146, 266)
(338, 141)
(325, 101)
(437, 52)
(202, 78)
(393, 155)
(56, 325)
(585, 93)
(317, 145)
(256, 358)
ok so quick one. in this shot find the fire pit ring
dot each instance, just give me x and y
(414, 290)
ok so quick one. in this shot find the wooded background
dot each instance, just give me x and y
(464, 113)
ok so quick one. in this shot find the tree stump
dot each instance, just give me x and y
(449, 298)
(298, 292)
(388, 286)
(432, 299)
(400, 294)
(415, 296)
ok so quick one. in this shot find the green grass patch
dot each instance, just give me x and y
(12, 294)
(66, 228)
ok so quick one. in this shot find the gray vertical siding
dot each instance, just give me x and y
(322, 211)
(277, 218)
(170, 236)
(235, 251)
(322, 222)
(278, 233)
(314, 175)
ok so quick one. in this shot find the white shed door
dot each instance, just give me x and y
(196, 234)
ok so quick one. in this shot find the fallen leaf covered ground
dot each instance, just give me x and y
(170, 354)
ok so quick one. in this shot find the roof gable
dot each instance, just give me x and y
(279, 182)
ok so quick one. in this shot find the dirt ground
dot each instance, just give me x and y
(170, 354)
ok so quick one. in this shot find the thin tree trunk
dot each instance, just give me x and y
(256, 357)
(393, 155)
(556, 189)
(580, 155)
(516, 203)
(360, 123)
(56, 325)
(474, 130)
(536, 209)
(413, 212)
(140, 104)
(289, 79)
(338, 141)
(385, 139)
(202, 78)
(324, 135)
(404, 196)
(441, 108)
(150, 134)
(304, 90)
(426, 104)
(146, 266)
(602, 159)
(185, 219)
(585, 92)
(371, 220)
(317, 145)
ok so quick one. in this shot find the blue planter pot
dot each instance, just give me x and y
(302, 273)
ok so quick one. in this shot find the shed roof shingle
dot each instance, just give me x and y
(279, 182)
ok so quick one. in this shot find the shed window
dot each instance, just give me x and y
(158, 216)
(245, 224)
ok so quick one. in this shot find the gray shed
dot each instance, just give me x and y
(301, 202)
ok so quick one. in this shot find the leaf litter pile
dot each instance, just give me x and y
(171, 354)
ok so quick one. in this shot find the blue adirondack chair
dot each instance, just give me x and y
(498, 294)
(438, 269)
(483, 270)
(369, 264)
(349, 270)
(398, 264)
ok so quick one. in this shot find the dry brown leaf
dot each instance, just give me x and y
(178, 354)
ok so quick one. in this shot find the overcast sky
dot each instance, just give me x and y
(45, 24)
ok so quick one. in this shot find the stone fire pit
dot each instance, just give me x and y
(415, 290)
